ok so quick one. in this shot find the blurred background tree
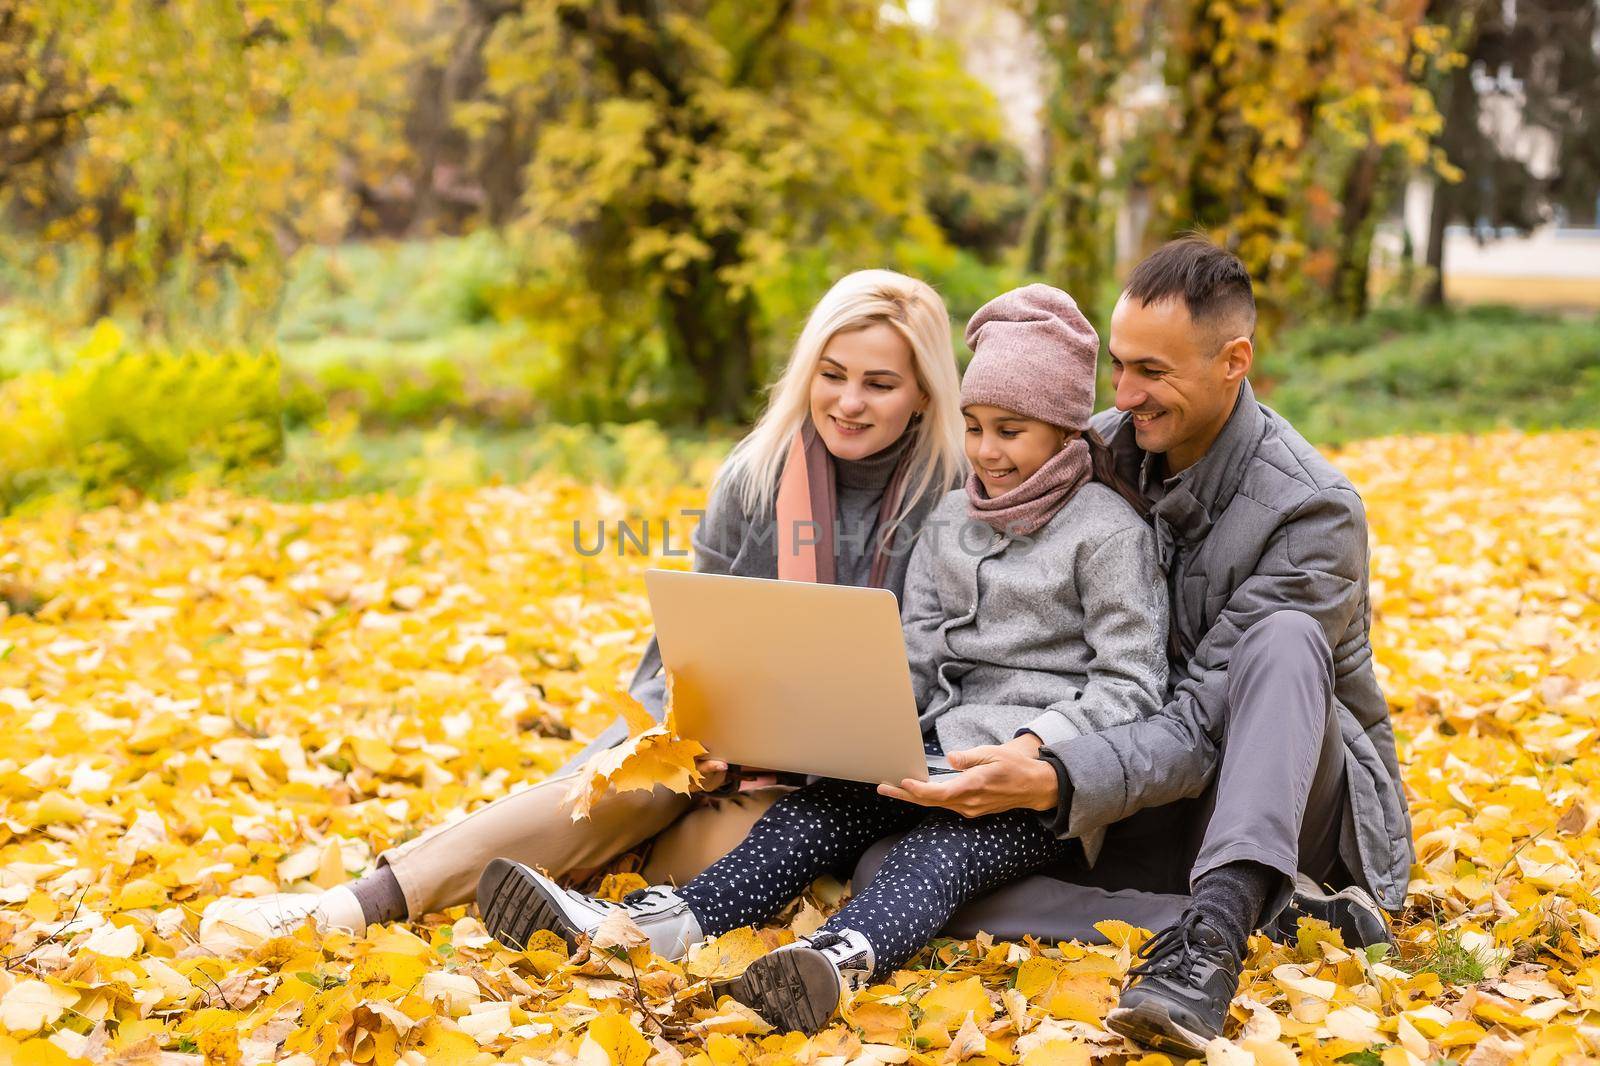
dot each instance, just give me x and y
(1097, 58)
(1280, 127)
(508, 213)
(1535, 68)
(200, 142)
(685, 152)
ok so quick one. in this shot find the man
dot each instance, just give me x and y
(1272, 764)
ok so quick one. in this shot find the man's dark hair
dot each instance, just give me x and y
(1214, 284)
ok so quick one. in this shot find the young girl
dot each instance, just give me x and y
(1033, 605)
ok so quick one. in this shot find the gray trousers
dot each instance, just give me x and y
(1278, 798)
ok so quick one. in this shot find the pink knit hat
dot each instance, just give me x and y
(1034, 353)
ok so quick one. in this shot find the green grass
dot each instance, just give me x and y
(382, 344)
(394, 293)
(1447, 957)
(1475, 371)
(337, 459)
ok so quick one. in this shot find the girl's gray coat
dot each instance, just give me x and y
(1062, 633)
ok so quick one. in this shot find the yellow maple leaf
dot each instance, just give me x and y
(725, 956)
(880, 1023)
(968, 1041)
(652, 756)
(944, 1008)
(619, 1039)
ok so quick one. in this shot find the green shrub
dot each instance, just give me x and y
(116, 419)
(1480, 370)
(499, 391)
(331, 458)
(1320, 339)
(397, 291)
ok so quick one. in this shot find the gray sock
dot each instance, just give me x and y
(1231, 898)
(380, 896)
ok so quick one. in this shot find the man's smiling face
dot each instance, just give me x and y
(1177, 379)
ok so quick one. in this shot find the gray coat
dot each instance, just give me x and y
(1262, 523)
(1061, 633)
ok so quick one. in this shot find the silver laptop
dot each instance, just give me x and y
(791, 675)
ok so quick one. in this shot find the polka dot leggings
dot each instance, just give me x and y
(825, 827)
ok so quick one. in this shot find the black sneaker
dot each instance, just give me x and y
(516, 901)
(1359, 919)
(1179, 1000)
(799, 986)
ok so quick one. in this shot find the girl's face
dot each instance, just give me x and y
(1005, 448)
(865, 391)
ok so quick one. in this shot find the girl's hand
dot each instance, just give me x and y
(993, 778)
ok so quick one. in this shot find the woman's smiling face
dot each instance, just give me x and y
(865, 391)
(1005, 448)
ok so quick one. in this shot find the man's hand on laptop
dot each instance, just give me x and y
(993, 778)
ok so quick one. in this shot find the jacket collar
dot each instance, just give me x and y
(1194, 498)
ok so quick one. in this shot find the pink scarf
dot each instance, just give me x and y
(808, 508)
(1028, 507)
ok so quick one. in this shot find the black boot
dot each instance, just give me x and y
(1177, 999)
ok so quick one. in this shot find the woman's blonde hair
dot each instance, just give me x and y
(856, 301)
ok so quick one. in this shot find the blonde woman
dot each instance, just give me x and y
(861, 436)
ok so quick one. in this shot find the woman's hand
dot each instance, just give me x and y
(993, 778)
(713, 773)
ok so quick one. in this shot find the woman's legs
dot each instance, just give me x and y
(440, 868)
(942, 863)
(821, 828)
(705, 834)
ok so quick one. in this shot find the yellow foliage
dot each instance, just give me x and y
(652, 755)
(223, 696)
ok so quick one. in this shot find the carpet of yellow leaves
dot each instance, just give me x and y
(225, 696)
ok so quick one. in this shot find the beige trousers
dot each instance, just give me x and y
(440, 868)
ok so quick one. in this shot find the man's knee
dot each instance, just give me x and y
(1284, 637)
(1283, 654)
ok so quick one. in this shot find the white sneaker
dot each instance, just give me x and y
(799, 986)
(1353, 912)
(516, 902)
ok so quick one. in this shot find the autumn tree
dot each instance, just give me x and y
(1096, 56)
(198, 142)
(44, 101)
(688, 150)
(1290, 119)
(1528, 69)
(1281, 127)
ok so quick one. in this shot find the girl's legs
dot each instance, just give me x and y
(821, 828)
(943, 862)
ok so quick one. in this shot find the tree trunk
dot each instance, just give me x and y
(1438, 218)
(712, 332)
(1358, 199)
(1460, 116)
